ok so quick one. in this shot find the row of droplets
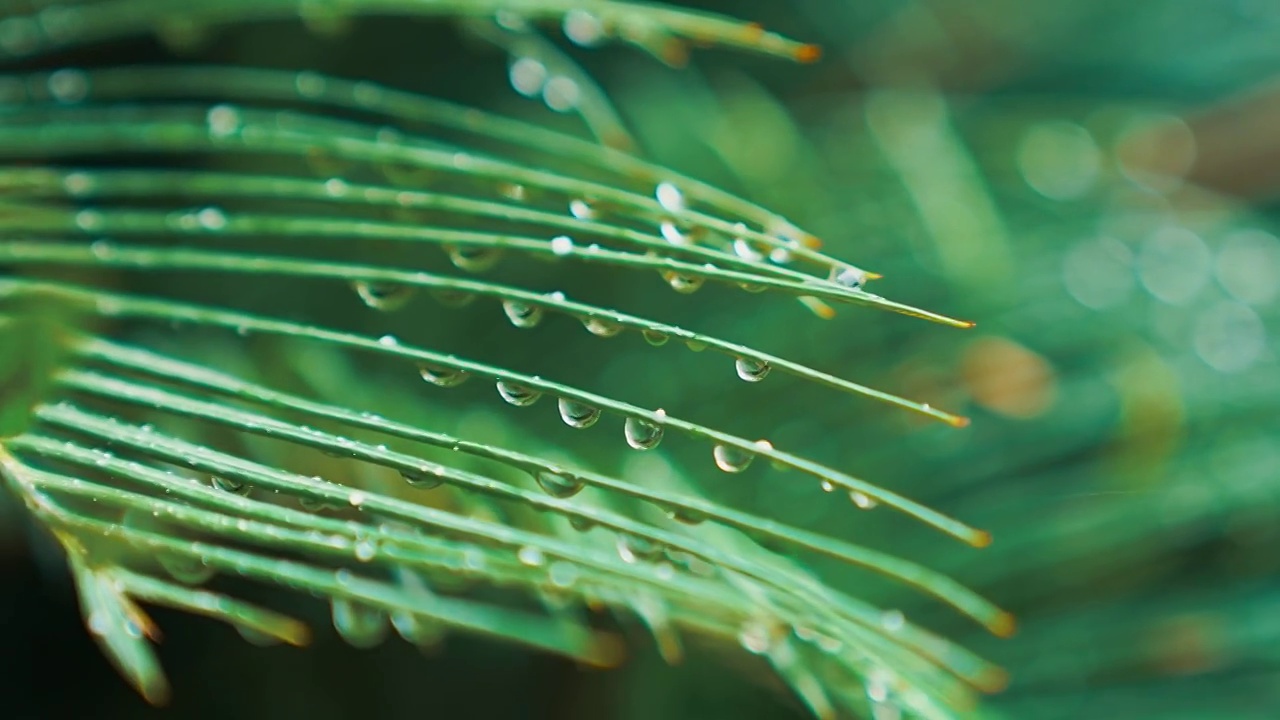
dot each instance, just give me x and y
(389, 297)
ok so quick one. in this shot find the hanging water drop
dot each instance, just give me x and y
(655, 338)
(68, 85)
(581, 524)
(531, 556)
(695, 345)
(232, 486)
(578, 415)
(417, 630)
(744, 250)
(828, 486)
(422, 479)
(892, 620)
(861, 500)
(686, 516)
(672, 234)
(633, 549)
(755, 637)
(848, 276)
(383, 296)
(522, 315)
(211, 218)
(561, 93)
(642, 434)
(731, 459)
(582, 210)
(752, 369)
(185, 568)
(601, 327)
(223, 120)
(517, 394)
(583, 28)
(562, 246)
(360, 625)
(365, 550)
(528, 76)
(557, 485)
(684, 284)
(474, 259)
(670, 197)
(441, 376)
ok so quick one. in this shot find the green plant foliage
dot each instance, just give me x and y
(550, 363)
(156, 473)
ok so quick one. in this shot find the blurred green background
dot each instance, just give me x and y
(1094, 183)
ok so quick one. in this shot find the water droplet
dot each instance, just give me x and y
(474, 259)
(389, 341)
(601, 327)
(731, 459)
(557, 485)
(527, 76)
(562, 245)
(78, 184)
(687, 516)
(222, 120)
(744, 250)
(102, 249)
(514, 191)
(360, 625)
(672, 234)
(695, 345)
(314, 505)
(755, 637)
(656, 338)
(185, 569)
(633, 549)
(581, 524)
(336, 187)
(531, 556)
(642, 434)
(356, 499)
(522, 315)
(848, 276)
(309, 84)
(582, 210)
(828, 486)
(453, 298)
(383, 296)
(861, 500)
(684, 284)
(670, 197)
(89, 220)
(417, 630)
(752, 369)
(365, 550)
(422, 479)
(69, 85)
(578, 415)
(583, 28)
(517, 394)
(892, 620)
(442, 376)
(211, 218)
(232, 486)
(561, 93)
(562, 574)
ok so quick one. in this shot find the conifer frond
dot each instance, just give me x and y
(158, 470)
